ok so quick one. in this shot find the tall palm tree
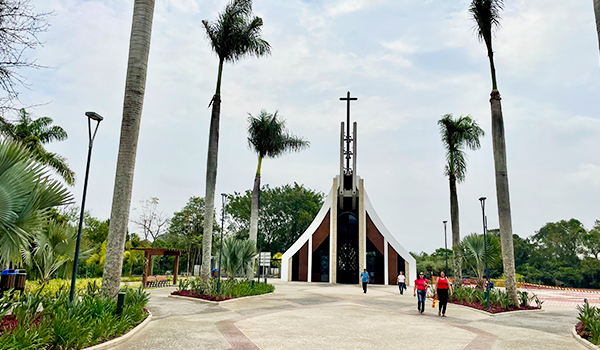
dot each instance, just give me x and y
(26, 195)
(269, 138)
(486, 14)
(456, 135)
(597, 12)
(474, 251)
(135, 86)
(233, 36)
(33, 135)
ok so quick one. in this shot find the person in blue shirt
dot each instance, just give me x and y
(365, 279)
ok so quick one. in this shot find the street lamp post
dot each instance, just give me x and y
(223, 198)
(446, 245)
(487, 271)
(96, 117)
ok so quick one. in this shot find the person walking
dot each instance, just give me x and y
(442, 288)
(420, 291)
(365, 280)
(401, 282)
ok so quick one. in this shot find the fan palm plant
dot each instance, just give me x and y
(456, 135)
(238, 256)
(233, 36)
(54, 250)
(486, 14)
(474, 251)
(26, 194)
(135, 86)
(33, 135)
(268, 138)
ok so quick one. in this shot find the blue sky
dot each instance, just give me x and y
(408, 62)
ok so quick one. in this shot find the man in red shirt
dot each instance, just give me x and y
(421, 284)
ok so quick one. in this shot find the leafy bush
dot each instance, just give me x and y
(55, 285)
(499, 299)
(230, 288)
(589, 317)
(48, 320)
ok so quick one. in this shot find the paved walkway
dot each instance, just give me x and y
(323, 316)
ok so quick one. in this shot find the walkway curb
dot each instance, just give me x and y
(499, 313)
(214, 302)
(582, 341)
(114, 342)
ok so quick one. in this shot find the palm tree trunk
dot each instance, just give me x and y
(254, 216)
(597, 12)
(456, 251)
(503, 197)
(139, 48)
(211, 178)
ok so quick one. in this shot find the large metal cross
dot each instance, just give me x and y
(348, 138)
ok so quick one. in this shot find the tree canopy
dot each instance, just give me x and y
(285, 213)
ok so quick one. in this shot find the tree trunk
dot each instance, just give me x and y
(456, 251)
(254, 217)
(597, 12)
(211, 183)
(503, 197)
(135, 85)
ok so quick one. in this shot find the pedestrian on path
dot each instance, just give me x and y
(365, 280)
(442, 288)
(420, 291)
(401, 282)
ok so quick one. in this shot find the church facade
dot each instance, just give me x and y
(347, 235)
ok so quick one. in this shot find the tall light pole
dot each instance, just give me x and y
(446, 245)
(223, 199)
(487, 271)
(95, 117)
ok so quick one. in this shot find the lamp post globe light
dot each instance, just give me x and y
(97, 118)
(446, 246)
(223, 198)
(487, 271)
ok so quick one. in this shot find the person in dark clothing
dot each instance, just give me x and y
(442, 288)
(365, 279)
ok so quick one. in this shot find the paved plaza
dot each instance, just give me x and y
(324, 316)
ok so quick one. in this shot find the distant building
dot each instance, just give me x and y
(347, 235)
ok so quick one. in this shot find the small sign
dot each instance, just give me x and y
(264, 259)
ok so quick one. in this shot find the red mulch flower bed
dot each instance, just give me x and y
(192, 294)
(8, 323)
(581, 330)
(494, 309)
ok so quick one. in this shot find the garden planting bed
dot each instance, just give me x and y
(494, 309)
(192, 294)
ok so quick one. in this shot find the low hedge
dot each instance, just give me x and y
(230, 288)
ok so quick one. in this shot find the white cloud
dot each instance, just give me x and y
(342, 7)
(400, 46)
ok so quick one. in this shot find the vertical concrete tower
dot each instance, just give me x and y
(347, 235)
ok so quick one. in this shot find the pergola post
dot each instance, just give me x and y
(146, 271)
(176, 269)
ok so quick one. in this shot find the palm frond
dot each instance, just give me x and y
(268, 137)
(58, 163)
(486, 14)
(456, 135)
(233, 35)
(26, 194)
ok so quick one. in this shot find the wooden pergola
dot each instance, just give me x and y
(149, 252)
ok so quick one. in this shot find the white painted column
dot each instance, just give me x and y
(385, 261)
(310, 256)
